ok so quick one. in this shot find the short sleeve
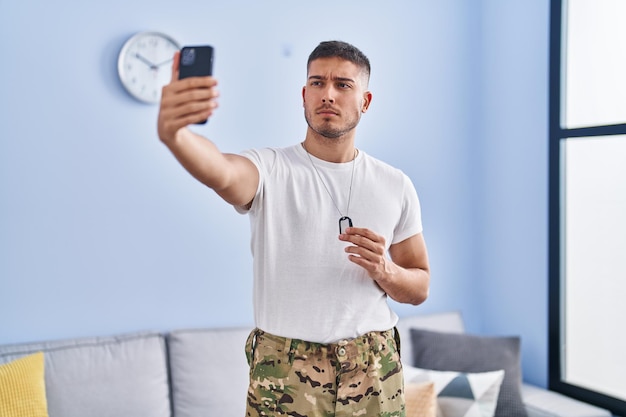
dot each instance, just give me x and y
(410, 222)
(264, 160)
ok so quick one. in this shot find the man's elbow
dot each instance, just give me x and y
(419, 297)
(423, 291)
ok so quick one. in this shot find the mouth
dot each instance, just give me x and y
(327, 112)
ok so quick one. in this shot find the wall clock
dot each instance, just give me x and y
(144, 64)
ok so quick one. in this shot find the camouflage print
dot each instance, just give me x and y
(351, 378)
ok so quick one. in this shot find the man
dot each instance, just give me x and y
(324, 216)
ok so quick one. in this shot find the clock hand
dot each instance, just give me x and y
(164, 62)
(145, 61)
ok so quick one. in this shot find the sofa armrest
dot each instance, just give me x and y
(540, 402)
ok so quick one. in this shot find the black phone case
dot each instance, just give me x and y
(196, 61)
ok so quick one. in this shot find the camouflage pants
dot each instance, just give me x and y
(356, 377)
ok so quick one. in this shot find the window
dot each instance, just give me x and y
(588, 201)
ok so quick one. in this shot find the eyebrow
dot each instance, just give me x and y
(319, 77)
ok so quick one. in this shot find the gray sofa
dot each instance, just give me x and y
(196, 373)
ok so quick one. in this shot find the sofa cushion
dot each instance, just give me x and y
(103, 377)
(469, 353)
(23, 388)
(460, 394)
(209, 372)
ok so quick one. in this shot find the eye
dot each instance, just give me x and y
(343, 86)
(316, 83)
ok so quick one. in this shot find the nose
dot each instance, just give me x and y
(328, 96)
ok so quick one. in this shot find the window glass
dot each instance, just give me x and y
(594, 262)
(595, 62)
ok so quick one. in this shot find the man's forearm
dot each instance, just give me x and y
(200, 157)
(405, 285)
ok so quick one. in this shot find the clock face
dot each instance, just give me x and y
(145, 65)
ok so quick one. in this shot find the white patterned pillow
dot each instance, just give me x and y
(460, 394)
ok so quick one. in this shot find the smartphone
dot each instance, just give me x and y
(196, 61)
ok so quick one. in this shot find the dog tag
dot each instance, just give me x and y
(344, 222)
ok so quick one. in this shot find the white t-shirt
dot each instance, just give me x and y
(304, 285)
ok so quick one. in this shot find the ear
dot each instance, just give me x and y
(367, 100)
(303, 93)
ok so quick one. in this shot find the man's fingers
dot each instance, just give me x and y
(364, 238)
(180, 93)
(367, 233)
(201, 87)
(187, 112)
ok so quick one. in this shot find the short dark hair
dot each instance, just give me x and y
(343, 50)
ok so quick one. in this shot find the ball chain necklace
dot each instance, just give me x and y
(344, 219)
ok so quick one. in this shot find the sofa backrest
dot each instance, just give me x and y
(209, 372)
(450, 322)
(102, 377)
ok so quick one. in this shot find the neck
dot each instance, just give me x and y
(332, 150)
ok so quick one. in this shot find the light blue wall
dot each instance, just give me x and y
(102, 232)
(513, 166)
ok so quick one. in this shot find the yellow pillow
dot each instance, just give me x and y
(420, 399)
(23, 388)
